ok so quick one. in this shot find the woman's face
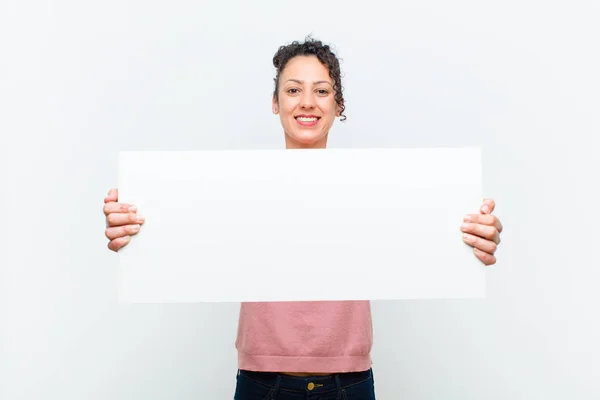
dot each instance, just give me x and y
(306, 104)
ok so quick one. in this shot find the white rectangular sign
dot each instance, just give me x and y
(292, 225)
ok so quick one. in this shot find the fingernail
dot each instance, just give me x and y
(468, 238)
(133, 209)
(464, 226)
(467, 218)
(135, 228)
(140, 219)
(485, 209)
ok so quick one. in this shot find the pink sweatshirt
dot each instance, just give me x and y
(331, 336)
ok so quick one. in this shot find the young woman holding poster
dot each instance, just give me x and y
(306, 350)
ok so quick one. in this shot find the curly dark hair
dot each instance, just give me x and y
(324, 53)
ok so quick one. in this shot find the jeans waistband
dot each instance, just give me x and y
(310, 384)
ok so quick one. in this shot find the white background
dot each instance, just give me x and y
(80, 81)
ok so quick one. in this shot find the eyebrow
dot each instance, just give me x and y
(314, 83)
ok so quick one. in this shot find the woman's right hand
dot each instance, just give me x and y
(122, 221)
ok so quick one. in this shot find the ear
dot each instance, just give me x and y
(338, 110)
(275, 105)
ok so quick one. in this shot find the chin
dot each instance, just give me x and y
(311, 138)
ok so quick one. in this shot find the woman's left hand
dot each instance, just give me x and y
(482, 232)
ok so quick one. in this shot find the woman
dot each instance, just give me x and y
(304, 350)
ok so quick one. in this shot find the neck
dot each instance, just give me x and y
(291, 144)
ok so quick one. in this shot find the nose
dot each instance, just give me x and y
(307, 101)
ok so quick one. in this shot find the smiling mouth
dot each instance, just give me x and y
(307, 120)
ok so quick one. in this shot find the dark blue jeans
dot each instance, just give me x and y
(274, 386)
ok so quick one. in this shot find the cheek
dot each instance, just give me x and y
(286, 108)
(329, 107)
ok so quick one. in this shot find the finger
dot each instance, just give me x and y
(116, 232)
(488, 206)
(484, 219)
(484, 231)
(113, 207)
(486, 258)
(118, 219)
(113, 195)
(117, 244)
(484, 245)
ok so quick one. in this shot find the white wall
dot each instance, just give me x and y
(81, 81)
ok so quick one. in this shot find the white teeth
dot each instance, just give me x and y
(303, 119)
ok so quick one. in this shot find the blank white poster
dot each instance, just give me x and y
(300, 225)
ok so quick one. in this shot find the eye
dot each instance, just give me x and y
(323, 92)
(292, 90)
